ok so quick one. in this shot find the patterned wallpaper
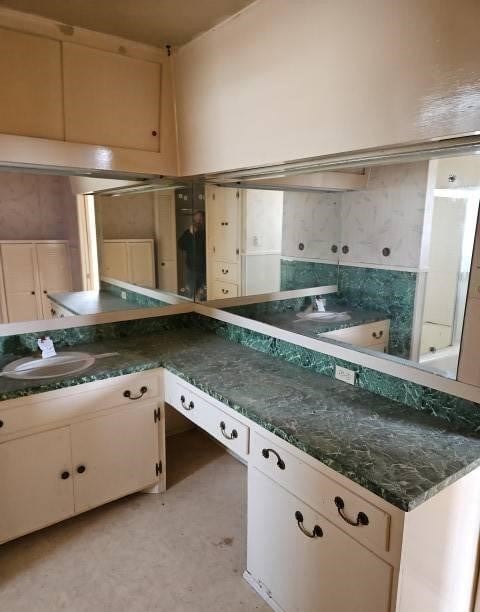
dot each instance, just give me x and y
(128, 216)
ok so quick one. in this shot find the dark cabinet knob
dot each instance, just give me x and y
(65, 475)
(386, 252)
(334, 248)
(1, 423)
(163, 263)
(345, 249)
(301, 246)
(154, 132)
(81, 469)
(32, 292)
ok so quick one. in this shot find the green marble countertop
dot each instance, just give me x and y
(394, 451)
(91, 302)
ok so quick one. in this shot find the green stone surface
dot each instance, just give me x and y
(403, 455)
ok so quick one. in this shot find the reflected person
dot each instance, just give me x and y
(192, 243)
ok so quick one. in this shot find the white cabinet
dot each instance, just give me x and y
(166, 244)
(304, 561)
(114, 455)
(31, 270)
(244, 238)
(31, 76)
(384, 223)
(101, 443)
(111, 99)
(132, 261)
(455, 172)
(35, 482)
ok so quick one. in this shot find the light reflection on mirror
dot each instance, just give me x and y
(395, 240)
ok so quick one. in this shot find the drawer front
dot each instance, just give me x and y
(226, 272)
(362, 335)
(223, 290)
(218, 423)
(128, 390)
(323, 494)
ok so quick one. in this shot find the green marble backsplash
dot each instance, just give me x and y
(133, 296)
(388, 291)
(455, 410)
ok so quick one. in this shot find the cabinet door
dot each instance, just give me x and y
(23, 302)
(111, 99)
(115, 260)
(53, 271)
(141, 263)
(165, 226)
(31, 77)
(36, 486)
(118, 452)
(223, 207)
(331, 573)
(167, 275)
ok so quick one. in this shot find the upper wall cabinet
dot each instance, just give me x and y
(111, 99)
(31, 91)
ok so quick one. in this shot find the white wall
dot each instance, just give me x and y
(290, 79)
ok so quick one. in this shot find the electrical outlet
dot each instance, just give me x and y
(123, 295)
(345, 375)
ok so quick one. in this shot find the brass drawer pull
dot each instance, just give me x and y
(280, 462)
(231, 436)
(190, 406)
(377, 335)
(128, 393)
(362, 518)
(317, 531)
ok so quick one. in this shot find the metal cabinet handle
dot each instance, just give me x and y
(224, 271)
(362, 518)
(345, 249)
(315, 533)
(1, 423)
(81, 469)
(334, 248)
(377, 335)
(231, 436)
(386, 252)
(65, 475)
(225, 291)
(280, 462)
(190, 406)
(128, 393)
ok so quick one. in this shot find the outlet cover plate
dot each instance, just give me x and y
(345, 375)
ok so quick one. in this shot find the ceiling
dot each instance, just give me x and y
(154, 22)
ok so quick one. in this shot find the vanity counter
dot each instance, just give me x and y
(91, 302)
(399, 453)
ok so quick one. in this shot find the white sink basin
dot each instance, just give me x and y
(61, 364)
(328, 317)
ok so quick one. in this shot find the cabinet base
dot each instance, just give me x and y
(262, 590)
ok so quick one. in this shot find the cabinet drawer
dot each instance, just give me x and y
(223, 290)
(37, 413)
(362, 335)
(226, 272)
(321, 493)
(218, 423)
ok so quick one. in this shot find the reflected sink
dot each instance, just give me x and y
(328, 317)
(61, 364)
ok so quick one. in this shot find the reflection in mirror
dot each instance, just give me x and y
(395, 241)
(65, 253)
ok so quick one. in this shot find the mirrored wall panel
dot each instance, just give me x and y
(394, 241)
(66, 249)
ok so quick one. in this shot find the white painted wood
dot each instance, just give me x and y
(226, 272)
(20, 275)
(118, 451)
(115, 260)
(111, 99)
(326, 181)
(31, 74)
(165, 240)
(370, 334)
(469, 364)
(54, 271)
(284, 113)
(332, 572)
(440, 550)
(221, 290)
(24, 415)
(141, 263)
(32, 492)
(319, 491)
(458, 172)
(261, 272)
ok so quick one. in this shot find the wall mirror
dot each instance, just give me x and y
(73, 245)
(395, 241)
